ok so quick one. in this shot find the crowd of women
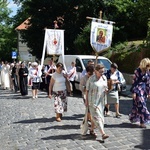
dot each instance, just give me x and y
(100, 89)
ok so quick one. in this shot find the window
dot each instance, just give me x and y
(105, 62)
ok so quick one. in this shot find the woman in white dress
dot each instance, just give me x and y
(96, 88)
(5, 75)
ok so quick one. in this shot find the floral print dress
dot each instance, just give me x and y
(141, 86)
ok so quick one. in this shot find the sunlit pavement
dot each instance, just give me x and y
(27, 124)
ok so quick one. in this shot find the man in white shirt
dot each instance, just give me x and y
(72, 75)
(90, 63)
(49, 70)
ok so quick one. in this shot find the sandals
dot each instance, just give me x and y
(92, 133)
(142, 126)
(118, 115)
(105, 136)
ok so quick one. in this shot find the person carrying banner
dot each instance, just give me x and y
(57, 88)
(49, 70)
(90, 63)
(71, 75)
(82, 86)
(96, 88)
(35, 76)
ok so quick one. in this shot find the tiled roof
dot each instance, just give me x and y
(24, 25)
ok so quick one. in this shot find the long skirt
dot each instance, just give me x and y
(60, 101)
(97, 114)
(139, 112)
(23, 86)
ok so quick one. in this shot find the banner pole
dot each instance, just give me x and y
(44, 47)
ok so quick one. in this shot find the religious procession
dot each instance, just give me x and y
(98, 80)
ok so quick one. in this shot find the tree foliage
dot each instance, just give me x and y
(7, 35)
(131, 18)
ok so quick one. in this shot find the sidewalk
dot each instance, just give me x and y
(27, 124)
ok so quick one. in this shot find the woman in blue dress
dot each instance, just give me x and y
(140, 93)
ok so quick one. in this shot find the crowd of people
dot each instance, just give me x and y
(100, 88)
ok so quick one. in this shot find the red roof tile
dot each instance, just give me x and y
(24, 25)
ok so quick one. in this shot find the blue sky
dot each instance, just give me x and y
(12, 6)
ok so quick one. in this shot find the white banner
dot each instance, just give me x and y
(101, 36)
(54, 41)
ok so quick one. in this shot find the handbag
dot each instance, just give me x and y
(68, 86)
(109, 84)
(84, 126)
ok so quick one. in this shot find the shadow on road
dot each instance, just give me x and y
(122, 125)
(44, 120)
(146, 140)
(69, 136)
(38, 120)
(63, 127)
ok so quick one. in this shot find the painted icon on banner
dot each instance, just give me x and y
(101, 36)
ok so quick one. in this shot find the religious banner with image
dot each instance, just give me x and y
(101, 35)
(54, 41)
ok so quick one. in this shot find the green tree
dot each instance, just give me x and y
(130, 17)
(43, 13)
(7, 34)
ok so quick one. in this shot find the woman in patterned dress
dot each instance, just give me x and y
(140, 92)
(58, 87)
(96, 88)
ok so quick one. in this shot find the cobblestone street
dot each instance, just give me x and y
(27, 124)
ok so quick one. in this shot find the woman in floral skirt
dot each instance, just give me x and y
(140, 93)
(57, 88)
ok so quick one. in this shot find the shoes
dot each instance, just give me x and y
(92, 133)
(142, 126)
(107, 114)
(36, 96)
(105, 136)
(118, 115)
(58, 119)
(33, 97)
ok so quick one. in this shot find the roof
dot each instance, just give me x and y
(24, 25)
(86, 56)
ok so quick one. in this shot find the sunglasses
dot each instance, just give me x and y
(100, 71)
(147, 65)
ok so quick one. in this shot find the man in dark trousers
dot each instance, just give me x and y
(49, 70)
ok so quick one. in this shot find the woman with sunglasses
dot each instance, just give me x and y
(140, 93)
(96, 88)
(57, 87)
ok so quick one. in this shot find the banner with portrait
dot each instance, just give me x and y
(101, 35)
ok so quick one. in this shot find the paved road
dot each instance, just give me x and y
(27, 124)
